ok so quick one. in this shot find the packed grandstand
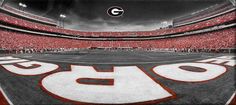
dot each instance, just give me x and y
(212, 29)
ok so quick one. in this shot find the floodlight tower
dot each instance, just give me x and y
(61, 20)
(164, 24)
(22, 6)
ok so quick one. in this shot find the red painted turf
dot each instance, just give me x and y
(3, 101)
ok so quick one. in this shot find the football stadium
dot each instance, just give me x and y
(168, 52)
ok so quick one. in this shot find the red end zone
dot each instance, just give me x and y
(3, 101)
(3, 98)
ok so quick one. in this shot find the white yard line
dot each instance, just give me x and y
(119, 63)
(231, 98)
(4, 94)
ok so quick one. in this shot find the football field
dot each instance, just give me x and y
(117, 77)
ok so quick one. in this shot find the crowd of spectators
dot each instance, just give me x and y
(21, 42)
(28, 43)
(46, 28)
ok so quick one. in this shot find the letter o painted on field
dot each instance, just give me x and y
(175, 72)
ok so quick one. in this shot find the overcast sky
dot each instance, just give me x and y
(90, 15)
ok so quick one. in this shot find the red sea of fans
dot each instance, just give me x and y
(17, 41)
(211, 40)
(46, 28)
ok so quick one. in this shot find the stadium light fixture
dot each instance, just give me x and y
(62, 16)
(22, 6)
(61, 21)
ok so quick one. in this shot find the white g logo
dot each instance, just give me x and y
(115, 11)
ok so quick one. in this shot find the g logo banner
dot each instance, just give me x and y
(115, 11)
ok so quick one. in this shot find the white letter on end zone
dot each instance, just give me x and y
(224, 60)
(174, 72)
(130, 85)
(30, 68)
